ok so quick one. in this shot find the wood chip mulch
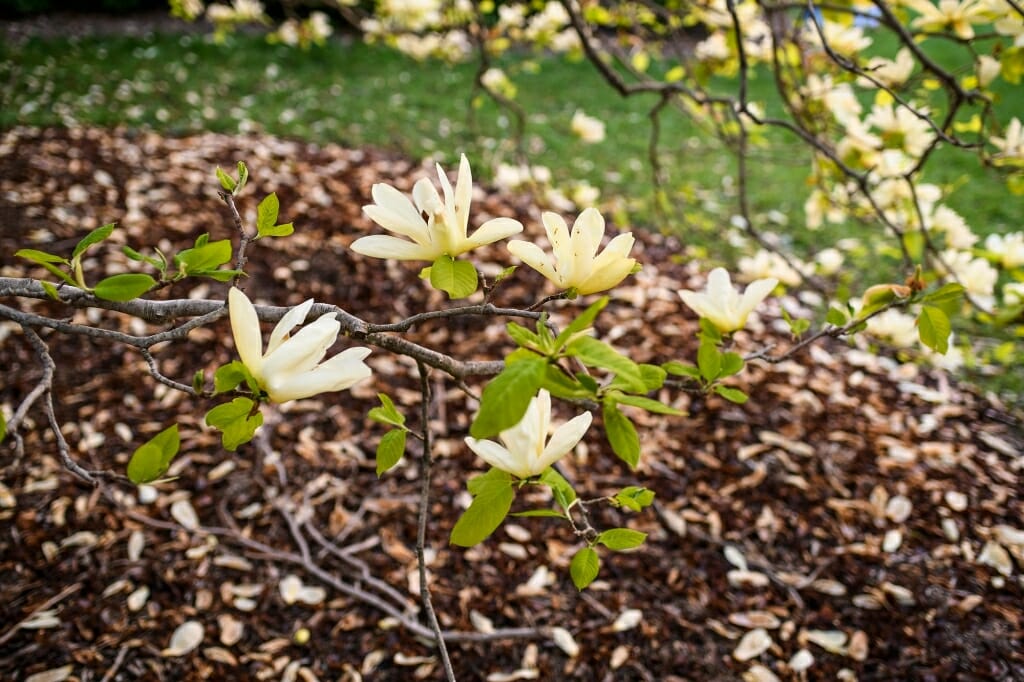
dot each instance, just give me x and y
(857, 519)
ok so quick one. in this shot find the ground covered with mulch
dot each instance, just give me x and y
(857, 519)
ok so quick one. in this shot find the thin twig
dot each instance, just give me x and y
(426, 461)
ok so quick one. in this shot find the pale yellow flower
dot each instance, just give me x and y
(525, 450)
(587, 128)
(291, 367)
(434, 226)
(722, 305)
(577, 264)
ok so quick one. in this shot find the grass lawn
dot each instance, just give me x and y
(354, 94)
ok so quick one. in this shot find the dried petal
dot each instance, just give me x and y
(185, 639)
(627, 620)
(565, 641)
(753, 644)
(183, 513)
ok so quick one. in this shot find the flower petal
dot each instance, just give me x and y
(586, 239)
(558, 236)
(563, 441)
(493, 230)
(245, 327)
(293, 317)
(385, 246)
(394, 212)
(302, 351)
(534, 256)
(525, 439)
(464, 196)
(340, 372)
(495, 455)
(756, 292)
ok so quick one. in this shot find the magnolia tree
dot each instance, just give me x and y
(868, 162)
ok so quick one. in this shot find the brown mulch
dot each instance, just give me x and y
(875, 502)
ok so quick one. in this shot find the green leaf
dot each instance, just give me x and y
(584, 567)
(621, 434)
(282, 230)
(619, 539)
(124, 287)
(151, 459)
(588, 382)
(50, 290)
(488, 509)
(40, 257)
(229, 376)
(388, 413)
(266, 213)
(219, 275)
(653, 376)
(390, 450)
(226, 181)
(679, 369)
(594, 353)
(204, 256)
(933, 328)
(732, 363)
(141, 257)
(561, 489)
(648, 404)
(709, 360)
(709, 331)
(236, 421)
(94, 237)
(947, 298)
(634, 497)
(836, 317)
(523, 337)
(560, 385)
(3, 426)
(731, 394)
(243, 177)
(547, 513)
(506, 397)
(582, 321)
(493, 478)
(457, 278)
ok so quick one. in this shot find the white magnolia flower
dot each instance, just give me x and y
(987, 69)
(767, 264)
(901, 128)
(891, 73)
(829, 261)
(1009, 248)
(291, 368)
(587, 128)
(1011, 146)
(976, 274)
(948, 14)
(527, 451)
(1013, 293)
(722, 305)
(577, 264)
(434, 226)
(897, 327)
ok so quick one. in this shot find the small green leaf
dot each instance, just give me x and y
(151, 459)
(40, 257)
(679, 369)
(236, 421)
(504, 274)
(278, 230)
(948, 298)
(561, 489)
(226, 181)
(505, 399)
(582, 321)
(390, 450)
(560, 385)
(933, 328)
(731, 394)
(523, 337)
(94, 237)
(204, 256)
(229, 376)
(124, 287)
(709, 331)
(50, 290)
(647, 404)
(709, 360)
(3, 426)
(634, 497)
(594, 353)
(619, 539)
(388, 413)
(493, 478)
(198, 379)
(584, 567)
(488, 509)
(266, 213)
(653, 376)
(243, 177)
(457, 278)
(547, 513)
(836, 317)
(621, 434)
(732, 363)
